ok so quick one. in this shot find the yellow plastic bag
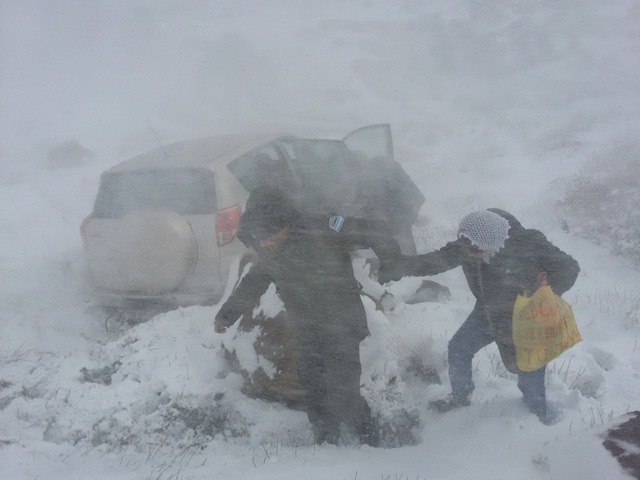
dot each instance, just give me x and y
(543, 328)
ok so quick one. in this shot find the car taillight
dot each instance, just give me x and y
(227, 224)
(83, 229)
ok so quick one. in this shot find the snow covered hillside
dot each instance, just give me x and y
(527, 106)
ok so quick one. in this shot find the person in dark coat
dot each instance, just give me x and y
(385, 192)
(308, 259)
(500, 259)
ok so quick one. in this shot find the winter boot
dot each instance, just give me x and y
(449, 403)
(324, 434)
(538, 406)
(369, 434)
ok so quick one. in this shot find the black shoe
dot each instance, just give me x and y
(538, 407)
(369, 433)
(372, 439)
(549, 417)
(325, 436)
(448, 403)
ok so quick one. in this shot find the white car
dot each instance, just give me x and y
(163, 227)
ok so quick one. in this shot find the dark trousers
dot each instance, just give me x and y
(473, 335)
(329, 371)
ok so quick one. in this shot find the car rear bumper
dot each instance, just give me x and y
(170, 299)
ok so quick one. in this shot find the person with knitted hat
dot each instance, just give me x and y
(308, 258)
(500, 259)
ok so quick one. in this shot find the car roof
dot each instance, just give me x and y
(204, 152)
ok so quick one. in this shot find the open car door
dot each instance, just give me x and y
(372, 141)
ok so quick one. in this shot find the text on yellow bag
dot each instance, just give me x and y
(543, 328)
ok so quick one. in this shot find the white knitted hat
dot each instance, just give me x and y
(487, 230)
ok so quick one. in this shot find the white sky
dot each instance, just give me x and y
(489, 103)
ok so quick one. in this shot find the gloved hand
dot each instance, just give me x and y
(221, 323)
(219, 326)
(388, 302)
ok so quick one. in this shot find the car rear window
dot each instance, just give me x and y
(185, 191)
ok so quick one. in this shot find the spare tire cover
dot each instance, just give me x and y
(151, 252)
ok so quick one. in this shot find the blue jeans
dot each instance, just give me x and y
(472, 336)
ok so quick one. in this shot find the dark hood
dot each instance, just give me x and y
(514, 224)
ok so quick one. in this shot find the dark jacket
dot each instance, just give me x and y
(314, 276)
(383, 192)
(513, 270)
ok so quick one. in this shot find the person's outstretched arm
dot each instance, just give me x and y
(377, 236)
(246, 294)
(447, 258)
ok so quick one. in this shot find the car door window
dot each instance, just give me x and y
(265, 166)
(371, 141)
(320, 162)
(289, 149)
(322, 167)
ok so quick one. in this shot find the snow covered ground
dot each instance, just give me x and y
(507, 104)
